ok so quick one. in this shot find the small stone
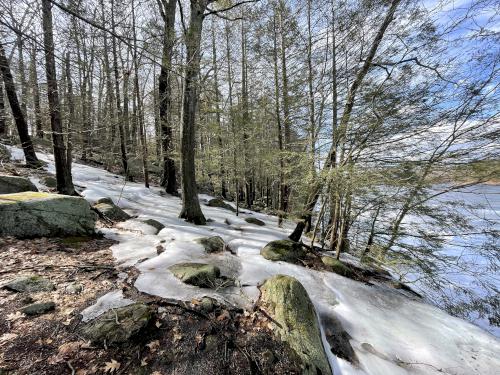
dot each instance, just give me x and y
(38, 308)
(74, 288)
(255, 221)
(29, 284)
(198, 274)
(207, 304)
(112, 212)
(213, 244)
(154, 223)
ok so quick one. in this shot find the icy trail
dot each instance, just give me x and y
(391, 333)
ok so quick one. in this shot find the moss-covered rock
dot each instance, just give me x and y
(287, 302)
(217, 202)
(118, 325)
(35, 214)
(337, 266)
(111, 211)
(31, 283)
(255, 221)
(154, 223)
(14, 184)
(5, 155)
(213, 244)
(198, 274)
(285, 250)
(38, 308)
(49, 181)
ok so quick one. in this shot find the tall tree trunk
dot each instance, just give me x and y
(63, 173)
(168, 180)
(71, 110)
(246, 119)
(22, 76)
(191, 210)
(316, 187)
(36, 95)
(310, 81)
(3, 125)
(123, 147)
(17, 113)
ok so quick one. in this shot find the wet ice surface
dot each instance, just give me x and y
(391, 333)
(111, 300)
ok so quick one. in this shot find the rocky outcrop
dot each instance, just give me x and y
(14, 184)
(198, 274)
(34, 214)
(255, 221)
(117, 326)
(110, 211)
(29, 284)
(217, 202)
(285, 250)
(287, 302)
(213, 244)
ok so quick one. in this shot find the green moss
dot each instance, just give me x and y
(337, 266)
(285, 250)
(25, 196)
(75, 241)
(199, 274)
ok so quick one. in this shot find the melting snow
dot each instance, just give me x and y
(391, 333)
(111, 300)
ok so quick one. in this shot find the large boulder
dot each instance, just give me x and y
(14, 184)
(110, 211)
(287, 302)
(255, 221)
(29, 284)
(117, 325)
(198, 274)
(218, 202)
(34, 214)
(213, 244)
(285, 250)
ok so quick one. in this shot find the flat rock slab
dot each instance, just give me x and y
(35, 214)
(287, 302)
(112, 212)
(198, 274)
(14, 184)
(117, 325)
(38, 308)
(213, 244)
(285, 250)
(29, 284)
(255, 221)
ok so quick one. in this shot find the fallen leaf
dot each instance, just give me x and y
(14, 316)
(153, 345)
(158, 324)
(112, 366)
(156, 373)
(144, 363)
(223, 316)
(69, 348)
(7, 337)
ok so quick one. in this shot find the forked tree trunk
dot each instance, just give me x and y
(17, 113)
(63, 173)
(191, 210)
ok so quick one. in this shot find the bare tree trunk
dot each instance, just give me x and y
(3, 125)
(17, 113)
(246, 119)
(191, 210)
(63, 173)
(36, 95)
(71, 109)
(168, 180)
(22, 76)
(316, 187)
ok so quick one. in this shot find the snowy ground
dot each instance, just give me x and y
(391, 333)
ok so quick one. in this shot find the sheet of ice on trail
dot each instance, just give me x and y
(111, 300)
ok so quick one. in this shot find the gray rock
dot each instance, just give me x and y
(112, 212)
(154, 223)
(14, 184)
(38, 308)
(118, 325)
(213, 244)
(254, 220)
(35, 214)
(74, 288)
(105, 200)
(29, 284)
(49, 181)
(198, 274)
(217, 202)
(208, 304)
(285, 250)
(5, 155)
(337, 266)
(287, 302)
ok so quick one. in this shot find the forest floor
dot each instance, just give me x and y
(180, 338)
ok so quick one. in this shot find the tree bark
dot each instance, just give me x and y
(17, 113)
(191, 210)
(168, 180)
(63, 173)
(36, 96)
(3, 125)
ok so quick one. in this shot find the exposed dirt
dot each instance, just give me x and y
(182, 337)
